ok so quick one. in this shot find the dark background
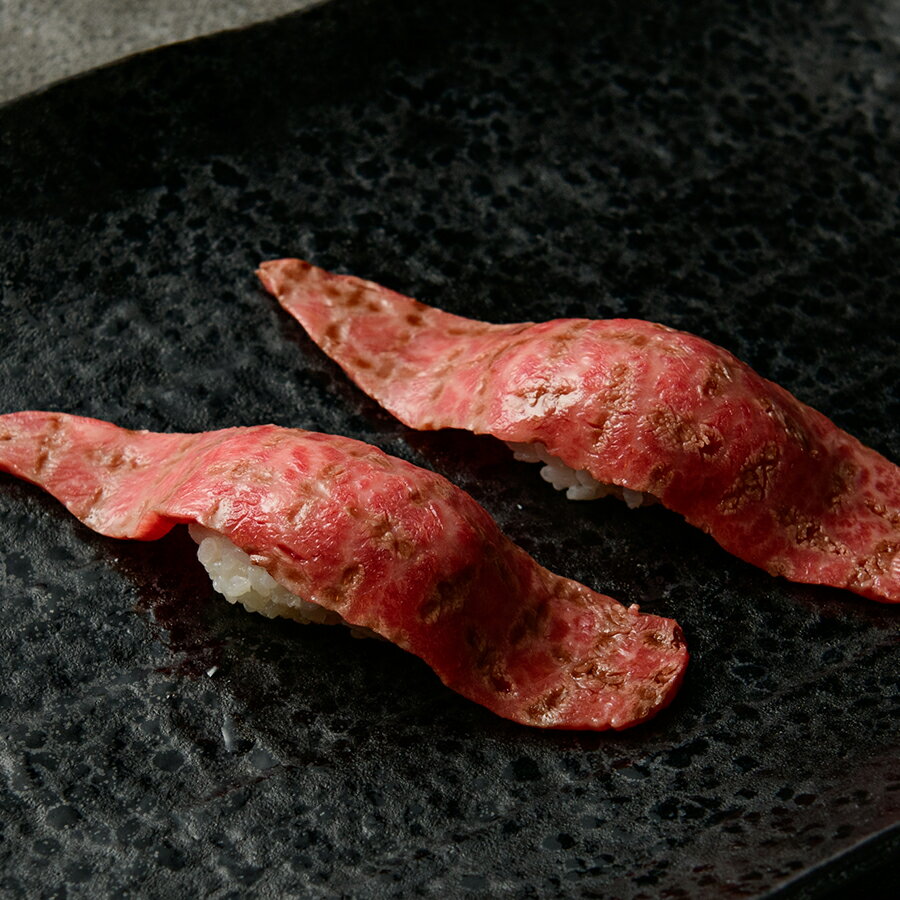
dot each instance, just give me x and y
(727, 168)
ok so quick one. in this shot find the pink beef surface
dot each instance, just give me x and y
(635, 404)
(388, 545)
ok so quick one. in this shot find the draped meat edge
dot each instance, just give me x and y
(627, 406)
(387, 545)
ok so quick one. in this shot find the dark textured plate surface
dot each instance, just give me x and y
(729, 169)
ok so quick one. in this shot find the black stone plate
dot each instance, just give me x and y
(726, 168)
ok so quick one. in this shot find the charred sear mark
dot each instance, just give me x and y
(385, 367)
(228, 469)
(273, 439)
(632, 338)
(880, 562)
(414, 496)
(612, 397)
(840, 485)
(880, 510)
(379, 526)
(298, 508)
(332, 334)
(397, 545)
(778, 565)
(665, 674)
(299, 267)
(604, 639)
(336, 289)
(644, 702)
(503, 346)
(48, 443)
(594, 670)
(483, 654)
(529, 624)
(330, 472)
(682, 434)
(489, 358)
(753, 480)
(789, 424)
(40, 461)
(290, 553)
(804, 532)
(545, 394)
(718, 374)
(452, 357)
(560, 342)
(547, 704)
(348, 583)
(115, 460)
(447, 597)
(241, 468)
(616, 389)
(658, 479)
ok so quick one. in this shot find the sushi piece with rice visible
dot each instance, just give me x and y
(319, 528)
(624, 407)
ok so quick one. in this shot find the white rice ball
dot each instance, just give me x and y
(578, 484)
(238, 580)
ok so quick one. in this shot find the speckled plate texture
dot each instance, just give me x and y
(725, 168)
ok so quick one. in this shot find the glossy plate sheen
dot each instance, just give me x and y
(729, 169)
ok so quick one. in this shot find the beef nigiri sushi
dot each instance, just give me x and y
(322, 528)
(628, 407)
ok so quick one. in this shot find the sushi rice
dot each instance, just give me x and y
(578, 484)
(238, 580)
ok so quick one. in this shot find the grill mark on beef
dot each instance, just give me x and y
(561, 341)
(349, 582)
(447, 597)
(879, 563)
(535, 394)
(612, 399)
(632, 338)
(717, 375)
(806, 533)
(753, 480)
(880, 510)
(48, 443)
(782, 415)
(548, 703)
(595, 671)
(840, 484)
(290, 553)
(529, 625)
(659, 478)
(679, 433)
